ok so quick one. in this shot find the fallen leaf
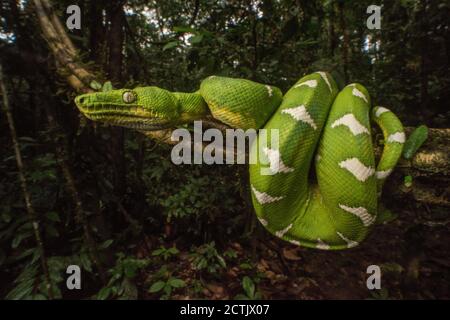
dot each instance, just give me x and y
(291, 254)
(217, 289)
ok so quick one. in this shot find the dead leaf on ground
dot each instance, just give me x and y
(215, 288)
(291, 254)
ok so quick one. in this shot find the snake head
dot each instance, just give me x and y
(144, 108)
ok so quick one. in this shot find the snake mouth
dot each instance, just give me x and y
(129, 116)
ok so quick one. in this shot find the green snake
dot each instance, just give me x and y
(317, 125)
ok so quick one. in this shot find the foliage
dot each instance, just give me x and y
(165, 253)
(207, 258)
(415, 140)
(164, 282)
(249, 289)
(120, 285)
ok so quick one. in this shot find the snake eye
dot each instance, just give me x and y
(129, 97)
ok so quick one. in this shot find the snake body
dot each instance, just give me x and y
(317, 125)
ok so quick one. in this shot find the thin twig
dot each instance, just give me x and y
(23, 183)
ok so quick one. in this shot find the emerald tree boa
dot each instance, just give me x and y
(324, 189)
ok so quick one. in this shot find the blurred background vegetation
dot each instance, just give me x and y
(110, 200)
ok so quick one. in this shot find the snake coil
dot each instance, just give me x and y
(316, 125)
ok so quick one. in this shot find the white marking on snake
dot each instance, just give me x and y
(269, 90)
(318, 157)
(397, 137)
(300, 114)
(282, 232)
(357, 168)
(359, 94)
(361, 213)
(296, 242)
(276, 164)
(263, 222)
(352, 123)
(263, 197)
(324, 77)
(383, 174)
(350, 243)
(322, 245)
(309, 83)
(380, 111)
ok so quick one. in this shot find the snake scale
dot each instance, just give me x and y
(317, 124)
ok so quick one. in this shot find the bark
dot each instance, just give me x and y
(116, 39)
(62, 48)
(96, 30)
(195, 13)
(331, 31)
(430, 169)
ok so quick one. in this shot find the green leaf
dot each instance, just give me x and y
(86, 261)
(202, 263)
(25, 254)
(18, 239)
(170, 45)
(95, 85)
(106, 244)
(104, 293)
(167, 290)
(245, 266)
(157, 286)
(249, 286)
(130, 270)
(221, 261)
(415, 141)
(176, 283)
(36, 256)
(157, 252)
(196, 39)
(408, 181)
(107, 86)
(392, 267)
(183, 29)
(22, 290)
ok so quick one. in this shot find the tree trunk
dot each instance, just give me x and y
(97, 31)
(430, 169)
(346, 40)
(115, 63)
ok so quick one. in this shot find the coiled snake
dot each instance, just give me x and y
(317, 125)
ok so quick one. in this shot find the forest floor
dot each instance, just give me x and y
(414, 262)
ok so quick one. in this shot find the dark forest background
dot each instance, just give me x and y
(110, 200)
